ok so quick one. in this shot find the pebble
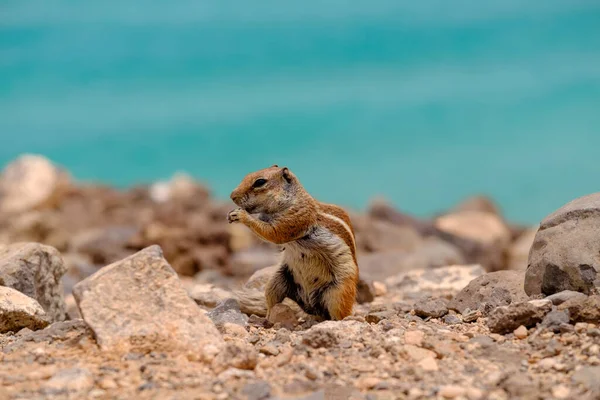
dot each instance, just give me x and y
(107, 384)
(520, 332)
(380, 288)
(474, 394)
(429, 364)
(451, 391)
(270, 350)
(367, 383)
(451, 319)
(414, 337)
(561, 392)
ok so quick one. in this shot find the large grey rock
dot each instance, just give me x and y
(564, 255)
(139, 302)
(489, 291)
(18, 311)
(29, 182)
(35, 270)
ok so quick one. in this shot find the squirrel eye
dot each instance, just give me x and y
(259, 182)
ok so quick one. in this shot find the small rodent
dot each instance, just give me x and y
(318, 269)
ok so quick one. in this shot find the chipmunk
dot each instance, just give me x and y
(318, 269)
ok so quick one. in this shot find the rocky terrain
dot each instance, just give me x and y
(108, 294)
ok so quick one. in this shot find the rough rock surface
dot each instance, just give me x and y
(564, 255)
(139, 302)
(489, 291)
(508, 318)
(18, 311)
(35, 270)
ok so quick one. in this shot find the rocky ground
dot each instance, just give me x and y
(128, 294)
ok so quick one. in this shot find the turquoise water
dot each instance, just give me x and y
(421, 103)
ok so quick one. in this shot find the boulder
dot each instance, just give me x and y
(260, 278)
(18, 311)
(489, 291)
(29, 182)
(564, 255)
(139, 302)
(36, 271)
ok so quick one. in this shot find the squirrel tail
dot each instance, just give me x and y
(252, 301)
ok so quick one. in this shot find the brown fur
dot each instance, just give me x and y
(320, 251)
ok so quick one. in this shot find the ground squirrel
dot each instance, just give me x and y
(318, 269)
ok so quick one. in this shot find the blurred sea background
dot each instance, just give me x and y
(423, 103)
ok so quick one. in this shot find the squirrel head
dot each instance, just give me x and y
(268, 191)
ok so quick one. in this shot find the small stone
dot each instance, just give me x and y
(367, 383)
(581, 327)
(376, 317)
(561, 392)
(229, 312)
(451, 319)
(451, 391)
(414, 338)
(234, 330)
(508, 318)
(18, 311)
(284, 315)
(471, 315)
(434, 308)
(555, 319)
(240, 356)
(520, 332)
(474, 394)
(380, 288)
(428, 364)
(107, 384)
(417, 353)
(316, 337)
(269, 349)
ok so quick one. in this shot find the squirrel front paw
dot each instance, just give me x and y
(236, 215)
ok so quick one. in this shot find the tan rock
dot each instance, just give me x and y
(380, 288)
(520, 332)
(18, 311)
(416, 353)
(139, 303)
(479, 226)
(283, 315)
(429, 364)
(414, 338)
(561, 392)
(451, 391)
(518, 253)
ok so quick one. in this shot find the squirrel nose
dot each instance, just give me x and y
(235, 197)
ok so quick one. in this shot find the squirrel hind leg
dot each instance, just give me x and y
(335, 300)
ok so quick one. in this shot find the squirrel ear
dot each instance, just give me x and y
(287, 175)
(274, 166)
